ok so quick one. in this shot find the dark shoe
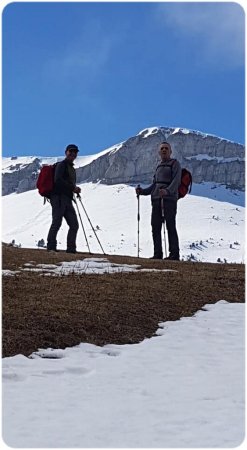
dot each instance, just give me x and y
(71, 251)
(52, 250)
(156, 257)
(172, 258)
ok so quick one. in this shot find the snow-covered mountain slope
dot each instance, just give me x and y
(16, 163)
(210, 222)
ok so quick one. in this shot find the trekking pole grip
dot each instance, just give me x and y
(138, 187)
(138, 223)
(138, 198)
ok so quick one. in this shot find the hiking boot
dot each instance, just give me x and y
(172, 258)
(71, 251)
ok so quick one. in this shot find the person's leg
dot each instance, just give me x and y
(156, 222)
(170, 211)
(57, 217)
(71, 219)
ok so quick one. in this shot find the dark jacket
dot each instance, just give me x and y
(167, 176)
(64, 178)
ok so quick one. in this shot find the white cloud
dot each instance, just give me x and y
(217, 28)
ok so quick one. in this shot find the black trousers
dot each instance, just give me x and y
(170, 211)
(62, 207)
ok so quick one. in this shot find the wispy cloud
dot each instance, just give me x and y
(84, 56)
(218, 28)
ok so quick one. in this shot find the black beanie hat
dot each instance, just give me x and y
(72, 147)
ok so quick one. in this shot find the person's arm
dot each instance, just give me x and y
(144, 191)
(148, 190)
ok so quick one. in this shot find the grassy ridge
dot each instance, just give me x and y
(40, 311)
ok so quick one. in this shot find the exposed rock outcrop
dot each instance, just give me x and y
(209, 158)
(20, 177)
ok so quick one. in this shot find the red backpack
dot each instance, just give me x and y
(186, 183)
(45, 181)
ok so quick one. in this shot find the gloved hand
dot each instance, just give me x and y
(77, 190)
(139, 190)
(163, 192)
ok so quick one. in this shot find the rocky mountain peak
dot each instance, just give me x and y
(209, 158)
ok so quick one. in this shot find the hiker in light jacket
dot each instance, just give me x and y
(61, 201)
(164, 190)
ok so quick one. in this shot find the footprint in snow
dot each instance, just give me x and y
(111, 352)
(71, 370)
(12, 376)
(79, 370)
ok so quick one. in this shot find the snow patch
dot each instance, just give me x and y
(183, 388)
(181, 130)
(9, 273)
(148, 131)
(219, 159)
(89, 266)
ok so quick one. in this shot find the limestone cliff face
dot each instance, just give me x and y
(20, 177)
(208, 157)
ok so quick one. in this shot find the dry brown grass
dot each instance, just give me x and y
(41, 312)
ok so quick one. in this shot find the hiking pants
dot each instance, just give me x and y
(170, 211)
(62, 207)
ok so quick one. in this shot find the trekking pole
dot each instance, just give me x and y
(163, 220)
(78, 196)
(138, 224)
(82, 226)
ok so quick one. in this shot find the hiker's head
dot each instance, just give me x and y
(71, 152)
(165, 151)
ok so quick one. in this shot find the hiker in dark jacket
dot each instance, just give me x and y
(164, 196)
(61, 201)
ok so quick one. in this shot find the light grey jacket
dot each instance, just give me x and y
(167, 176)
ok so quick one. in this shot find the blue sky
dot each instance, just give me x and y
(96, 74)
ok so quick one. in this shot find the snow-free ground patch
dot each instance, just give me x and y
(120, 307)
